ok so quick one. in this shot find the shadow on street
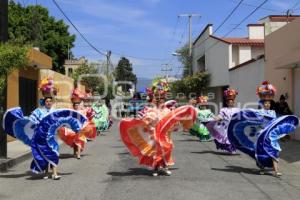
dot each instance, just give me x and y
(216, 153)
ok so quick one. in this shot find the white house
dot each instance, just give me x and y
(237, 63)
(217, 55)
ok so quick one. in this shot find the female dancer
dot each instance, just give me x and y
(39, 129)
(257, 132)
(204, 115)
(78, 141)
(218, 128)
(148, 137)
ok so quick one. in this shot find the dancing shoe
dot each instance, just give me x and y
(56, 177)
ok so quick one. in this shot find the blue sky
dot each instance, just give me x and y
(142, 29)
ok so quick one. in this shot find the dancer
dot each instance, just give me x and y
(74, 140)
(38, 131)
(257, 132)
(204, 115)
(148, 137)
(218, 128)
(101, 118)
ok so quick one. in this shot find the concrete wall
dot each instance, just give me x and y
(282, 51)
(246, 79)
(256, 32)
(235, 56)
(297, 98)
(270, 27)
(218, 59)
(257, 51)
(244, 54)
(283, 61)
(199, 48)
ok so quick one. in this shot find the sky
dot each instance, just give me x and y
(148, 31)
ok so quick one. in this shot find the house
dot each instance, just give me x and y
(71, 65)
(217, 55)
(248, 75)
(283, 63)
(236, 62)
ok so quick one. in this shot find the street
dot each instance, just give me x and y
(107, 171)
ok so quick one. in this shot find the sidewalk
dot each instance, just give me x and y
(17, 153)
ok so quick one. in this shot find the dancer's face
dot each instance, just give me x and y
(76, 106)
(267, 105)
(230, 103)
(48, 103)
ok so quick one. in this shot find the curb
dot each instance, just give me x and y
(8, 163)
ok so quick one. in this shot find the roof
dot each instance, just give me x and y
(255, 25)
(75, 62)
(247, 62)
(281, 18)
(241, 41)
(203, 31)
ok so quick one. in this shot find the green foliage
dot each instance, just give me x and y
(11, 57)
(191, 84)
(124, 72)
(92, 82)
(33, 25)
(185, 59)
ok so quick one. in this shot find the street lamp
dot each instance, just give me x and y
(176, 54)
(180, 54)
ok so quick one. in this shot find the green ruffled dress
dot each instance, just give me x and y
(101, 118)
(199, 129)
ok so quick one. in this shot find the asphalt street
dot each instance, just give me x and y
(108, 172)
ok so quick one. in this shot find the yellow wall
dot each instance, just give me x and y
(13, 89)
(65, 87)
(39, 60)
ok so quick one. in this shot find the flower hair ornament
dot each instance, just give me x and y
(158, 89)
(266, 91)
(203, 99)
(48, 88)
(230, 94)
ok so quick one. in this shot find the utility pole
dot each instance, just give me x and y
(3, 39)
(190, 16)
(167, 69)
(108, 54)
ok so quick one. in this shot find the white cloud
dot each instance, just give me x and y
(120, 14)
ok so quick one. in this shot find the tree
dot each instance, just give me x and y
(11, 57)
(185, 59)
(124, 72)
(194, 84)
(32, 25)
(92, 82)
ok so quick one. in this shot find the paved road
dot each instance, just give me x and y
(107, 171)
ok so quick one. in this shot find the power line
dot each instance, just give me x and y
(95, 48)
(228, 16)
(172, 37)
(295, 5)
(262, 8)
(78, 31)
(241, 22)
(224, 21)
